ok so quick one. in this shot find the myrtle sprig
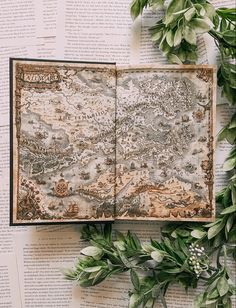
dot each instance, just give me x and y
(153, 266)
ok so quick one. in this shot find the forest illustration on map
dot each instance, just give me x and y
(92, 142)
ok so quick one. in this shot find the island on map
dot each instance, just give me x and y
(91, 142)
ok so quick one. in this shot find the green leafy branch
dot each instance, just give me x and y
(176, 34)
(180, 257)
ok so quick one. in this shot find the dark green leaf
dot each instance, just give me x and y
(173, 7)
(232, 123)
(230, 93)
(107, 232)
(229, 164)
(135, 280)
(222, 134)
(137, 7)
(228, 210)
(229, 13)
(223, 25)
(183, 247)
(222, 286)
(227, 197)
(125, 260)
(230, 37)
(213, 231)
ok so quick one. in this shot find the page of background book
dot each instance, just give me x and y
(32, 257)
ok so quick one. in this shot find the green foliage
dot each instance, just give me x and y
(219, 289)
(156, 265)
(176, 35)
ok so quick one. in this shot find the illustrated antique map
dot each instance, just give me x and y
(92, 142)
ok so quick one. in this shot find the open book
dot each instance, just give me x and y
(95, 142)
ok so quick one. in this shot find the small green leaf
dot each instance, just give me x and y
(210, 10)
(180, 12)
(230, 37)
(92, 269)
(135, 280)
(173, 7)
(92, 251)
(178, 37)
(189, 35)
(213, 231)
(198, 234)
(189, 14)
(174, 59)
(199, 25)
(223, 133)
(156, 36)
(170, 38)
(137, 7)
(99, 277)
(233, 194)
(202, 11)
(211, 302)
(222, 286)
(119, 245)
(223, 25)
(150, 303)
(125, 260)
(229, 164)
(213, 294)
(229, 224)
(226, 201)
(157, 255)
(231, 135)
(199, 300)
(228, 210)
(172, 270)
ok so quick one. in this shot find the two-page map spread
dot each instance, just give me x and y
(93, 142)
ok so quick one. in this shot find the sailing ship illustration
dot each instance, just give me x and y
(72, 210)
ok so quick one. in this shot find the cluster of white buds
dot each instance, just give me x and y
(198, 259)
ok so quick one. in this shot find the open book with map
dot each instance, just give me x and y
(95, 142)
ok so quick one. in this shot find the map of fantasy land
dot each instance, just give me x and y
(93, 142)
